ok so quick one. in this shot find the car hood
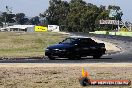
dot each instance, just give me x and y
(60, 46)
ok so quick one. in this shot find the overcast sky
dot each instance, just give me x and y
(34, 7)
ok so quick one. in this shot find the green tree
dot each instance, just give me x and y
(78, 16)
(119, 12)
(7, 17)
(82, 16)
(114, 7)
(35, 20)
(57, 12)
(21, 19)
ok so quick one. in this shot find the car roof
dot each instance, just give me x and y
(79, 37)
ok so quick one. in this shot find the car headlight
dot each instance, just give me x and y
(46, 49)
(56, 49)
(62, 50)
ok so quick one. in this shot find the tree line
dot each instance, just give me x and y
(73, 16)
(19, 18)
(78, 15)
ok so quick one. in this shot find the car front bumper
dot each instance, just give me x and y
(56, 53)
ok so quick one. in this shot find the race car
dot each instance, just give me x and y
(75, 48)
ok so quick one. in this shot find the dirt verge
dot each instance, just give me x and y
(58, 77)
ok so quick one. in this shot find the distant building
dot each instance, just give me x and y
(23, 28)
(8, 24)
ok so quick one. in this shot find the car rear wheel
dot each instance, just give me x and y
(97, 56)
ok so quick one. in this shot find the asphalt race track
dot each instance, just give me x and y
(120, 57)
(105, 59)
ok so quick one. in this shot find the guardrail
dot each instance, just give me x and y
(113, 33)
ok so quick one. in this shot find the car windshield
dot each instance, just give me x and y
(68, 41)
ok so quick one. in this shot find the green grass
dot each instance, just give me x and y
(18, 45)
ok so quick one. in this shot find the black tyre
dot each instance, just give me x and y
(70, 58)
(74, 57)
(51, 57)
(97, 56)
(78, 57)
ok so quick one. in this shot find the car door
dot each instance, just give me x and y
(84, 47)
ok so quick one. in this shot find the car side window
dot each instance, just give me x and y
(91, 42)
(87, 42)
(84, 42)
(68, 40)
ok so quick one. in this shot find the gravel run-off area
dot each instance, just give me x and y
(59, 77)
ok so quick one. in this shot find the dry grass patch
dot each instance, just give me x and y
(26, 44)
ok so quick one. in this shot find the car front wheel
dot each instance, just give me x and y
(51, 57)
(74, 57)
